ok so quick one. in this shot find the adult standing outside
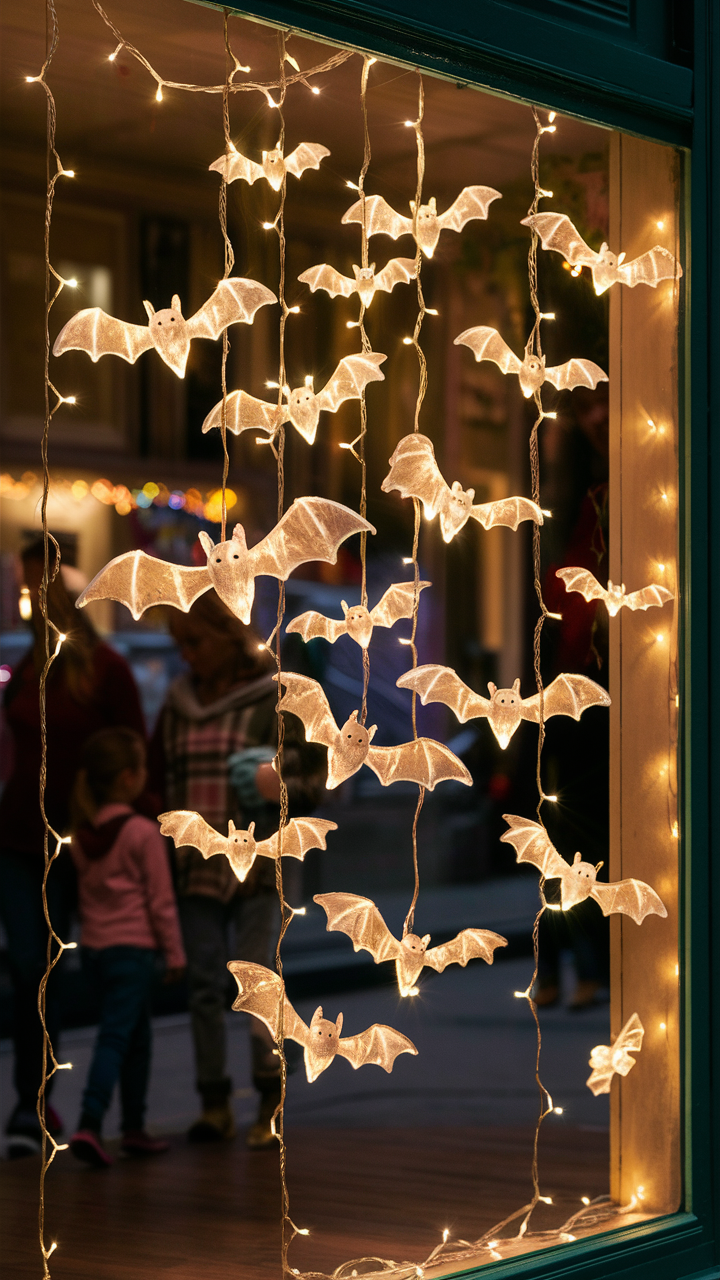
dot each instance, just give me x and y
(212, 753)
(89, 687)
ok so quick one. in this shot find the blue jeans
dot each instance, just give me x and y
(27, 934)
(122, 977)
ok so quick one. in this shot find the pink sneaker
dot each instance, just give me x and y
(139, 1143)
(87, 1146)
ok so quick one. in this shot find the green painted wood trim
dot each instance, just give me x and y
(509, 51)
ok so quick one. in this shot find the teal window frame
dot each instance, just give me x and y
(568, 56)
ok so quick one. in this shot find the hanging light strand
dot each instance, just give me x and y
(300, 77)
(231, 64)
(53, 941)
(366, 346)
(417, 510)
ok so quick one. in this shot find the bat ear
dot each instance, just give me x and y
(456, 486)
(206, 542)
(621, 258)
(603, 248)
(432, 204)
(598, 865)
(413, 206)
(492, 688)
(371, 732)
(338, 1023)
(353, 715)
(286, 391)
(251, 829)
(577, 858)
(425, 939)
(176, 304)
(231, 827)
(470, 494)
(516, 685)
(343, 604)
(149, 309)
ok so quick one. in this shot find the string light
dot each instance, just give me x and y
(159, 94)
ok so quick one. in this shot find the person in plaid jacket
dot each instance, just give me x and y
(212, 751)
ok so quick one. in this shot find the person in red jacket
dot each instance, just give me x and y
(127, 912)
(89, 687)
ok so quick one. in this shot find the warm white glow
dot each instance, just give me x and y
(547, 315)
(551, 117)
(660, 638)
(522, 995)
(298, 911)
(407, 342)
(294, 311)
(545, 1199)
(159, 94)
(409, 124)
(303, 1231)
(314, 89)
(660, 225)
(663, 1026)
(25, 604)
(675, 831)
(71, 283)
(408, 560)
(446, 1233)
(268, 226)
(558, 1111)
(546, 194)
(585, 1199)
(431, 311)
(64, 1066)
(352, 185)
(68, 173)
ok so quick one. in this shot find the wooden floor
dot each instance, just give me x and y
(212, 1212)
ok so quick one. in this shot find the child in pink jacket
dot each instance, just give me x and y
(128, 913)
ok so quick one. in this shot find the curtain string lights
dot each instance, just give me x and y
(424, 761)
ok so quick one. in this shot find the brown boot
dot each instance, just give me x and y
(217, 1121)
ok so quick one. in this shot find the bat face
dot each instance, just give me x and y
(322, 1044)
(273, 166)
(304, 410)
(349, 751)
(229, 573)
(606, 270)
(531, 374)
(365, 283)
(359, 624)
(410, 962)
(241, 849)
(169, 335)
(504, 715)
(615, 598)
(427, 227)
(578, 883)
(456, 509)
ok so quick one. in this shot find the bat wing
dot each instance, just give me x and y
(379, 1044)
(649, 596)
(397, 602)
(380, 218)
(440, 684)
(473, 202)
(259, 993)
(575, 373)
(350, 379)
(584, 581)
(630, 1040)
(486, 344)
(468, 945)
(397, 271)
(141, 581)
(234, 301)
(99, 334)
(533, 844)
(299, 835)
(306, 700)
(327, 278)
(311, 529)
(234, 165)
(568, 695)
(415, 473)
(186, 827)
(557, 232)
(508, 511)
(423, 761)
(360, 919)
(608, 1059)
(311, 625)
(650, 268)
(307, 156)
(631, 897)
(245, 413)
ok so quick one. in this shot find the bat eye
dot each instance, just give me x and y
(349, 737)
(160, 323)
(235, 556)
(217, 561)
(172, 319)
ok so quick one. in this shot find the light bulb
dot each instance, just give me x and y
(407, 560)
(547, 315)
(371, 62)
(352, 185)
(663, 1026)
(294, 311)
(551, 117)
(407, 342)
(431, 311)
(585, 1199)
(409, 124)
(660, 225)
(545, 1199)
(159, 94)
(446, 1233)
(314, 89)
(24, 604)
(558, 1111)
(553, 799)
(69, 173)
(268, 226)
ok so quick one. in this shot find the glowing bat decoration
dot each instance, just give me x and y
(366, 282)
(240, 846)
(568, 695)
(415, 473)
(303, 406)
(486, 344)
(260, 993)
(607, 1060)
(532, 844)
(614, 598)
(557, 232)
(274, 165)
(360, 919)
(423, 761)
(312, 529)
(426, 223)
(359, 621)
(234, 301)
